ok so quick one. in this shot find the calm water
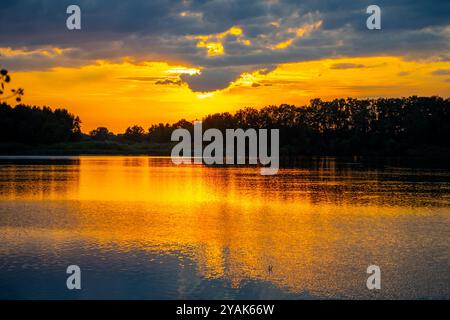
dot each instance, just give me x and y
(141, 228)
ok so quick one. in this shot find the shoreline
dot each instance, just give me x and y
(363, 162)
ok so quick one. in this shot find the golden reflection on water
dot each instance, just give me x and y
(319, 227)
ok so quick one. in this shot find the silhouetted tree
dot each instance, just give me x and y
(341, 126)
(384, 126)
(160, 132)
(101, 134)
(135, 134)
(34, 125)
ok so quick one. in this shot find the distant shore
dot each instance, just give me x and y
(421, 156)
(413, 126)
(88, 148)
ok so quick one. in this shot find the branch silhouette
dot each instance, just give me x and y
(6, 78)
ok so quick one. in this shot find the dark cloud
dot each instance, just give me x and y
(167, 30)
(347, 66)
(141, 79)
(441, 72)
(212, 79)
(167, 82)
(155, 80)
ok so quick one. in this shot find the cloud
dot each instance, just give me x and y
(212, 79)
(217, 78)
(156, 80)
(141, 79)
(441, 72)
(197, 33)
(341, 66)
(169, 82)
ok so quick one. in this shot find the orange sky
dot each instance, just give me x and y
(117, 95)
(129, 62)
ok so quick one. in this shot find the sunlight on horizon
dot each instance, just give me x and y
(118, 95)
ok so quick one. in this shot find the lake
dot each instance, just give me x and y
(142, 228)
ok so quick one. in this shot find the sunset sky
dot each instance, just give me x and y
(144, 62)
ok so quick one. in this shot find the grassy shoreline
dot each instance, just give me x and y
(426, 156)
(87, 148)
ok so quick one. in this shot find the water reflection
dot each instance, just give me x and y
(143, 228)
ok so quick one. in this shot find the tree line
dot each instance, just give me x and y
(383, 126)
(36, 125)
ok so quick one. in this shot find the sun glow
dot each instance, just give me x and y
(183, 70)
(297, 33)
(117, 95)
(47, 52)
(205, 95)
(214, 42)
